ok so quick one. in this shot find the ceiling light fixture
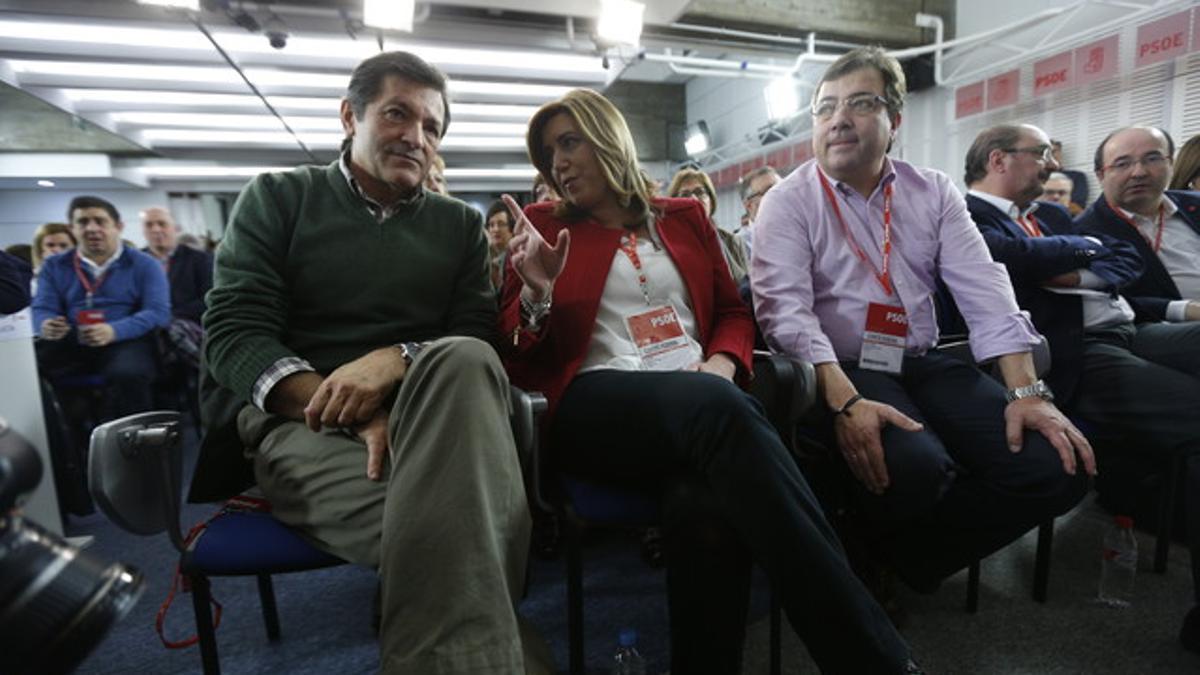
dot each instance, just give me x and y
(697, 139)
(389, 14)
(782, 99)
(620, 22)
(45, 183)
(193, 5)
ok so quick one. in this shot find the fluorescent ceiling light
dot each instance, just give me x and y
(128, 71)
(620, 22)
(520, 112)
(208, 171)
(528, 173)
(193, 5)
(389, 14)
(185, 137)
(45, 183)
(327, 123)
(540, 91)
(782, 99)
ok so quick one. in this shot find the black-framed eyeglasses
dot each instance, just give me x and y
(755, 196)
(1044, 153)
(859, 104)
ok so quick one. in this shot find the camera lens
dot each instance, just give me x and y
(58, 601)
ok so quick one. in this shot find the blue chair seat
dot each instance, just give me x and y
(237, 543)
(609, 505)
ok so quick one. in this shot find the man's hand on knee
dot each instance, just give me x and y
(354, 392)
(859, 432)
(1042, 416)
(374, 433)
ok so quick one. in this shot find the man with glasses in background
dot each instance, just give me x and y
(1134, 167)
(753, 186)
(1057, 189)
(949, 465)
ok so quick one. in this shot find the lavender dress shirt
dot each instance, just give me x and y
(811, 290)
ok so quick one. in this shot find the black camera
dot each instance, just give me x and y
(56, 601)
(277, 38)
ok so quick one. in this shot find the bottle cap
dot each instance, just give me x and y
(627, 637)
(1125, 522)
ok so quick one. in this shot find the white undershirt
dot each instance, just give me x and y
(1180, 253)
(610, 345)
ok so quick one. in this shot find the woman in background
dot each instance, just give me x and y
(697, 185)
(1187, 166)
(50, 239)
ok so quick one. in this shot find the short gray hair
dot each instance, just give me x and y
(894, 85)
(999, 137)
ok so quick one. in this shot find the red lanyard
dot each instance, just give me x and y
(1157, 243)
(629, 246)
(881, 275)
(87, 283)
(1030, 225)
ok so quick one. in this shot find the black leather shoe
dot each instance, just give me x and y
(1189, 635)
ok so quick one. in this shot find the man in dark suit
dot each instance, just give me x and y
(1137, 380)
(190, 275)
(1134, 168)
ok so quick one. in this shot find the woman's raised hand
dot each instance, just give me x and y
(536, 262)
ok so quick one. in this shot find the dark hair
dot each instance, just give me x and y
(894, 84)
(22, 251)
(999, 137)
(1098, 160)
(744, 183)
(368, 76)
(90, 202)
(498, 207)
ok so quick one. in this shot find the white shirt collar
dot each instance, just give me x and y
(1169, 209)
(97, 269)
(1005, 205)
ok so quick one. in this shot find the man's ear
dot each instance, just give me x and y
(896, 123)
(347, 115)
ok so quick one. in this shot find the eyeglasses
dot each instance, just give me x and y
(755, 196)
(696, 193)
(1043, 153)
(1151, 162)
(859, 104)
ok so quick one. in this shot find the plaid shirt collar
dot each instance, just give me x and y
(381, 212)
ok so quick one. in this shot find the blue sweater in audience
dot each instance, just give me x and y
(134, 296)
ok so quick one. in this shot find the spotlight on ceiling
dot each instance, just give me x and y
(782, 99)
(193, 5)
(620, 22)
(697, 138)
(389, 14)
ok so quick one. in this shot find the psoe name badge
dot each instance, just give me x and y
(884, 338)
(660, 339)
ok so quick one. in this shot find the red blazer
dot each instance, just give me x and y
(546, 361)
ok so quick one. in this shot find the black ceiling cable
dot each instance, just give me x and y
(254, 89)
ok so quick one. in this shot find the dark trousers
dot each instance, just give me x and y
(1142, 383)
(730, 485)
(956, 493)
(129, 368)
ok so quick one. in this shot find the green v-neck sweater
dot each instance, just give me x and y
(305, 270)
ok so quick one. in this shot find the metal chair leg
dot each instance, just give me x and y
(201, 597)
(266, 596)
(776, 660)
(1166, 514)
(574, 598)
(973, 587)
(1041, 565)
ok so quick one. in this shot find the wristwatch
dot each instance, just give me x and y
(409, 351)
(1039, 389)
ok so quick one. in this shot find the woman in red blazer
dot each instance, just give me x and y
(620, 308)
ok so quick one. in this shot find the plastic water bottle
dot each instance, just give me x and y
(627, 660)
(1118, 564)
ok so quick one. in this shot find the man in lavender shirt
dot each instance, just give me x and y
(849, 248)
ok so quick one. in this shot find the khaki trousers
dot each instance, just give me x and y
(448, 529)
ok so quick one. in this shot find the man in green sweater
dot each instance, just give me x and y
(349, 324)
